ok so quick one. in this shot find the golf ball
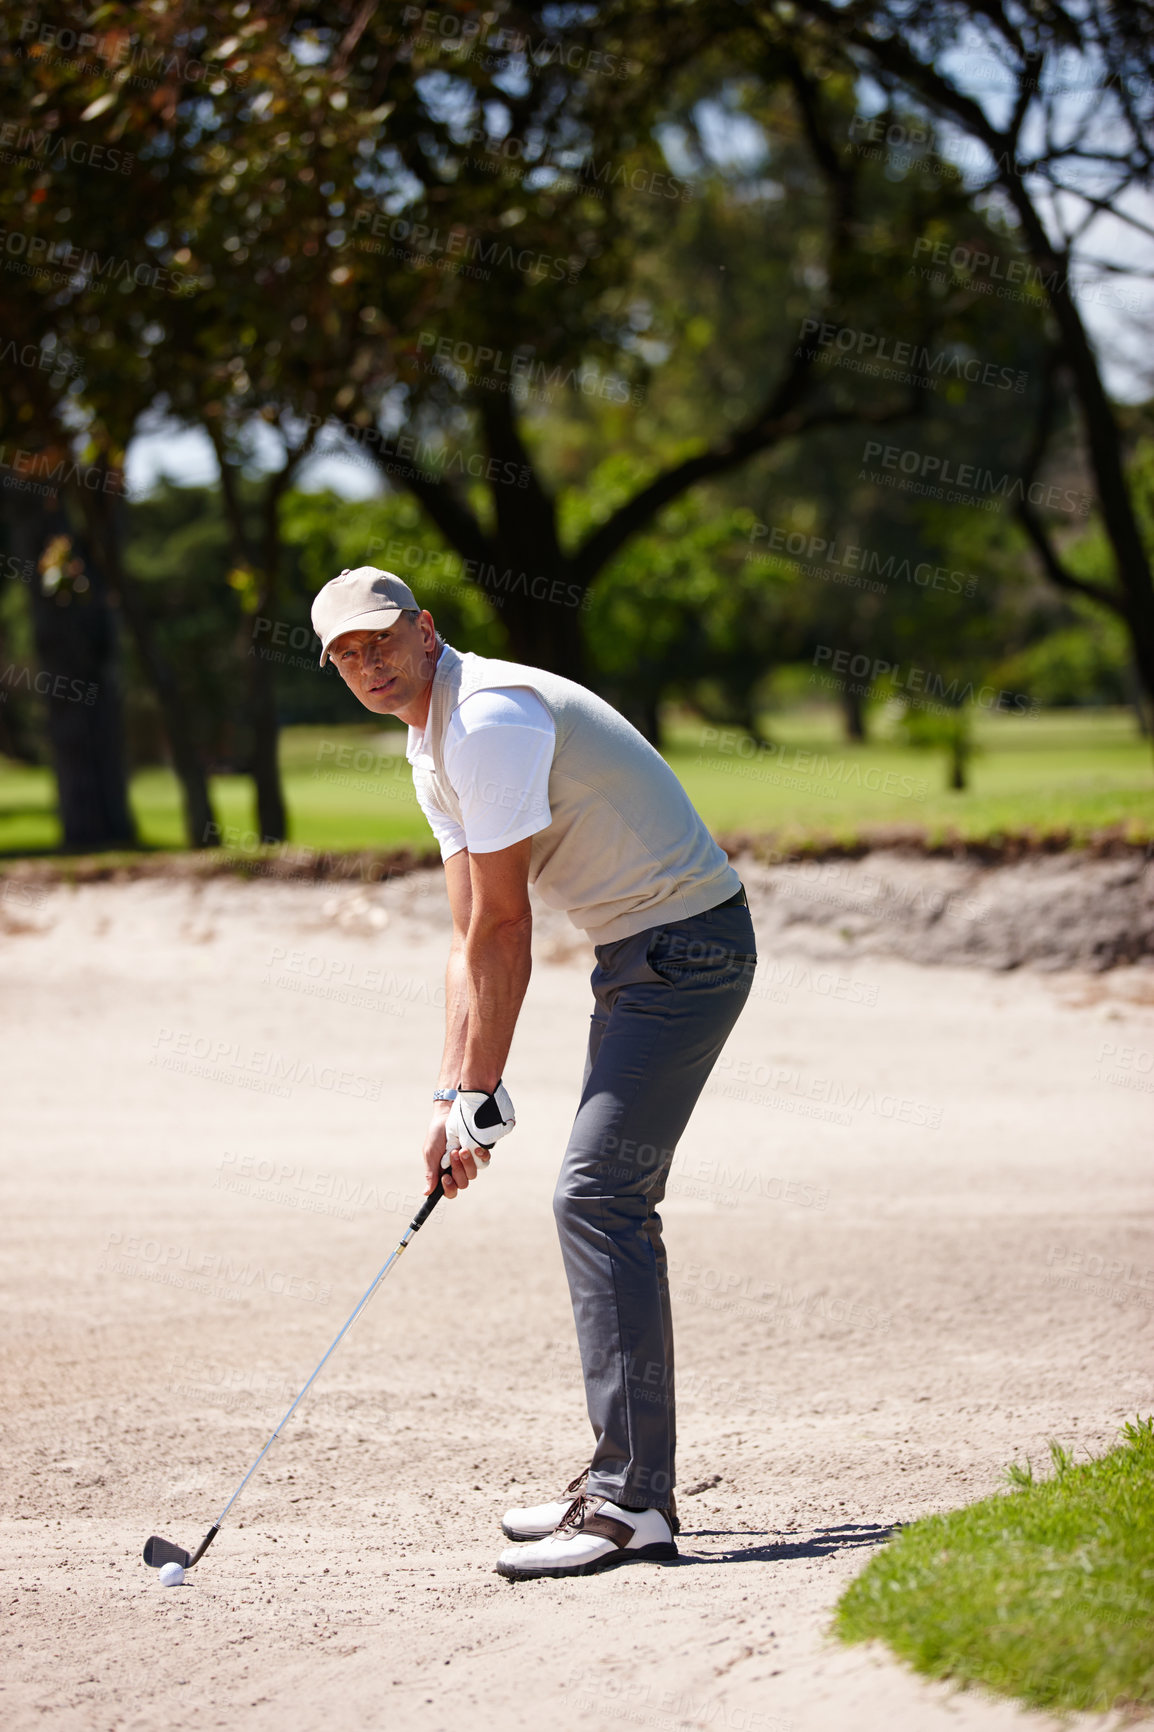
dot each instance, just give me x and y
(171, 1575)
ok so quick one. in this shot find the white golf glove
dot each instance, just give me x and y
(478, 1120)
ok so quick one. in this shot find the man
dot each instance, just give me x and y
(528, 778)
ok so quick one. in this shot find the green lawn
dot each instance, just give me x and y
(1044, 1593)
(1078, 770)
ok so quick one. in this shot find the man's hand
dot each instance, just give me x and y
(479, 1119)
(465, 1162)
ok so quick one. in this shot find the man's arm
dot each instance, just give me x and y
(460, 893)
(497, 960)
(485, 981)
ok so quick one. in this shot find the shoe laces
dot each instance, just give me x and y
(574, 1516)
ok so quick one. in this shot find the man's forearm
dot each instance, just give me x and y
(498, 961)
(456, 1018)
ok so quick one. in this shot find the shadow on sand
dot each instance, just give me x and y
(822, 1543)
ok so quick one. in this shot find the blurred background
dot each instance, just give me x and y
(783, 373)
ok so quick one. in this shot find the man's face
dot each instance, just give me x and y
(390, 670)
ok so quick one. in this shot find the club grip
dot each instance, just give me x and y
(427, 1208)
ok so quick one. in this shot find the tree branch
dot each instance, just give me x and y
(895, 57)
(761, 435)
(1028, 74)
(1056, 571)
(348, 43)
(782, 417)
(242, 550)
(275, 488)
(1102, 207)
(1028, 517)
(451, 515)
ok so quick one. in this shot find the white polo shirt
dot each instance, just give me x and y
(498, 751)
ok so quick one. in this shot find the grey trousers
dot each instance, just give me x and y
(665, 1001)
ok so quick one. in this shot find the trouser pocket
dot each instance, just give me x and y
(713, 949)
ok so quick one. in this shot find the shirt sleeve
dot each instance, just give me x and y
(446, 831)
(498, 753)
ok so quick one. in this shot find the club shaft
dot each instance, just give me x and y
(414, 1226)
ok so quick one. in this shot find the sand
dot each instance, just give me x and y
(909, 1233)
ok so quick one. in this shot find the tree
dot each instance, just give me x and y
(582, 145)
(261, 189)
(74, 388)
(1055, 178)
(405, 237)
(74, 631)
(227, 271)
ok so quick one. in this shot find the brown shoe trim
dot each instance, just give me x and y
(584, 1517)
(609, 1528)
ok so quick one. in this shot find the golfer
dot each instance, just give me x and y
(528, 778)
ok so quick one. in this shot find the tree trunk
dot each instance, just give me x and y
(529, 576)
(957, 766)
(200, 825)
(638, 701)
(17, 731)
(1103, 442)
(545, 633)
(14, 741)
(1137, 697)
(1144, 668)
(74, 629)
(271, 812)
(853, 714)
(263, 558)
(650, 723)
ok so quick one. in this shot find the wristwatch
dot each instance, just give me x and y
(444, 1094)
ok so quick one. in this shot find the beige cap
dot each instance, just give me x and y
(362, 600)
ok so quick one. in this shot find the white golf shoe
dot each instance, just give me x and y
(540, 1520)
(594, 1534)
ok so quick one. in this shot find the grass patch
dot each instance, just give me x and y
(346, 788)
(1044, 1592)
(1071, 773)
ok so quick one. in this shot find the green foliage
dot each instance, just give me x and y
(1045, 1592)
(329, 534)
(23, 726)
(1079, 664)
(260, 289)
(681, 612)
(177, 550)
(947, 729)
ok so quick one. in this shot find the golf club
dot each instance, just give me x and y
(157, 1551)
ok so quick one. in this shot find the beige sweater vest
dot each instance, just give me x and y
(624, 849)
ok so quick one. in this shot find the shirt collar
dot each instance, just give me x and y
(416, 749)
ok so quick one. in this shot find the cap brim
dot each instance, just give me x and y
(377, 620)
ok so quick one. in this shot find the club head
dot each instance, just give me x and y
(158, 1552)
